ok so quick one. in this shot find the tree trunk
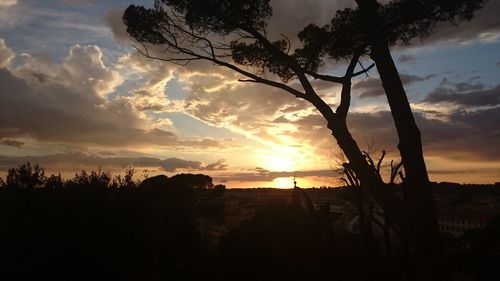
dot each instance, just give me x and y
(369, 178)
(424, 231)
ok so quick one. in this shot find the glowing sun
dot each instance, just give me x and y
(280, 163)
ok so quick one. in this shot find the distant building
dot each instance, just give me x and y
(211, 233)
(457, 222)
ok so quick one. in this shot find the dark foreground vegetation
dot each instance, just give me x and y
(96, 227)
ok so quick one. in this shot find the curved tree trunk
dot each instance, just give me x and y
(370, 180)
(423, 229)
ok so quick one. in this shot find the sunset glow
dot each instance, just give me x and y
(283, 182)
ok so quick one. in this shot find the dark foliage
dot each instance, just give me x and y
(222, 16)
(344, 36)
(93, 228)
(185, 23)
(25, 176)
(401, 20)
(61, 230)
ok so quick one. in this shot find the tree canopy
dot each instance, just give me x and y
(191, 24)
(401, 21)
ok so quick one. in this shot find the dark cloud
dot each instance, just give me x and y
(217, 166)
(58, 114)
(172, 164)
(466, 94)
(372, 87)
(456, 138)
(484, 26)
(78, 161)
(78, 1)
(466, 87)
(408, 79)
(13, 143)
(466, 135)
(113, 20)
(407, 59)
(369, 88)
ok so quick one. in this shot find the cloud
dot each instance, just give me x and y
(72, 162)
(82, 70)
(113, 20)
(455, 138)
(13, 143)
(465, 94)
(459, 136)
(7, 3)
(407, 59)
(291, 16)
(263, 175)
(248, 107)
(172, 164)
(71, 103)
(372, 87)
(6, 54)
(216, 166)
(484, 26)
(151, 78)
(78, 1)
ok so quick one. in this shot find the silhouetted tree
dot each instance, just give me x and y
(182, 32)
(154, 182)
(96, 179)
(54, 181)
(196, 181)
(127, 181)
(26, 176)
(129, 178)
(185, 30)
(372, 29)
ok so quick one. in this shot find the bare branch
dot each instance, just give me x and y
(289, 44)
(329, 78)
(365, 70)
(380, 161)
(337, 79)
(276, 85)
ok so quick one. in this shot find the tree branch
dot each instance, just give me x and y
(194, 56)
(345, 95)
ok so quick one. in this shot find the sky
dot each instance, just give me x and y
(75, 94)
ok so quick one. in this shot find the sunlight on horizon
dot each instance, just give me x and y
(281, 159)
(284, 182)
(280, 163)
